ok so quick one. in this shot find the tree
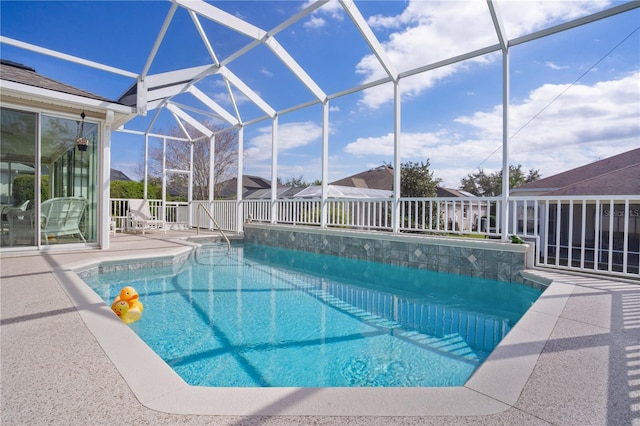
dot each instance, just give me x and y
(294, 182)
(417, 181)
(179, 155)
(131, 189)
(490, 185)
(24, 189)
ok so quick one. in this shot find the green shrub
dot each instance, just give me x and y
(130, 189)
(24, 188)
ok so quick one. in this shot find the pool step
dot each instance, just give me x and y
(453, 344)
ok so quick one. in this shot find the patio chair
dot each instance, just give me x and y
(4, 218)
(140, 217)
(58, 217)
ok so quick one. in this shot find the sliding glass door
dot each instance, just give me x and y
(49, 179)
(19, 137)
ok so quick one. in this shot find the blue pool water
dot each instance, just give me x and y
(264, 316)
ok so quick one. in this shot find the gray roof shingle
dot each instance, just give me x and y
(18, 73)
(617, 175)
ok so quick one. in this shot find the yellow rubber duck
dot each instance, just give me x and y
(126, 314)
(129, 295)
(127, 306)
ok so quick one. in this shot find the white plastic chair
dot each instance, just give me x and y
(58, 217)
(140, 217)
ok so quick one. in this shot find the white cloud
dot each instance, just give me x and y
(427, 32)
(332, 9)
(417, 144)
(264, 71)
(315, 22)
(553, 66)
(334, 109)
(290, 136)
(586, 123)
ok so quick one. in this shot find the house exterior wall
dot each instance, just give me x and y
(87, 185)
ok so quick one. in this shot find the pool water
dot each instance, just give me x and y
(263, 316)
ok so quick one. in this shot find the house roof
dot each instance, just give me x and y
(378, 178)
(337, 191)
(118, 175)
(227, 189)
(382, 178)
(18, 73)
(451, 192)
(617, 175)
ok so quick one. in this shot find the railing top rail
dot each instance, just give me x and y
(635, 197)
(333, 199)
(450, 199)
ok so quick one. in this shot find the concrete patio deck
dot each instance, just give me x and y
(584, 371)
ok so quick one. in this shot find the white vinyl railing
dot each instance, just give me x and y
(175, 214)
(369, 214)
(299, 212)
(591, 234)
(451, 215)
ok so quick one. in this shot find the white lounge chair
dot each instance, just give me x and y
(140, 217)
(4, 217)
(58, 217)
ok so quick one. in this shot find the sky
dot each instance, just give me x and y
(574, 96)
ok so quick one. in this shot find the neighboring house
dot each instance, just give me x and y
(378, 178)
(53, 132)
(464, 215)
(617, 175)
(459, 216)
(604, 219)
(250, 184)
(118, 175)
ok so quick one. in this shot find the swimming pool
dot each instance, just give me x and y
(263, 316)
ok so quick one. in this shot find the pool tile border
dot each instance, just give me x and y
(494, 387)
(490, 259)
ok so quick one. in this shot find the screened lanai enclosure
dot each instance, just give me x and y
(194, 93)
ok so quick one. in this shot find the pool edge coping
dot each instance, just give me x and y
(493, 388)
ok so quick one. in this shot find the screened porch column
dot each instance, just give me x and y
(146, 166)
(164, 177)
(105, 196)
(210, 193)
(325, 164)
(189, 185)
(504, 213)
(239, 209)
(502, 37)
(212, 164)
(396, 157)
(274, 170)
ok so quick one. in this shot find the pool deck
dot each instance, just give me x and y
(574, 359)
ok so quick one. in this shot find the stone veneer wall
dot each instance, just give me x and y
(479, 258)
